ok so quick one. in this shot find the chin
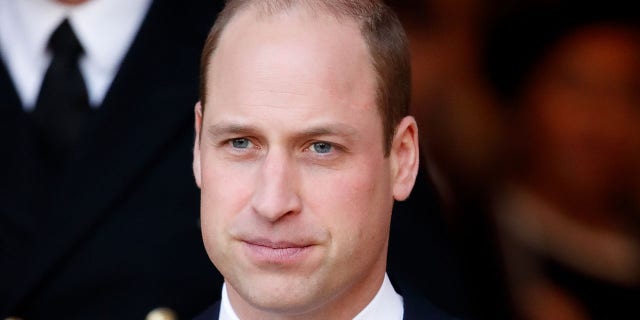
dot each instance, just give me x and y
(280, 294)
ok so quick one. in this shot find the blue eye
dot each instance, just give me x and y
(240, 143)
(321, 147)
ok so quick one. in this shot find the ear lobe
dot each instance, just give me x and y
(405, 158)
(196, 145)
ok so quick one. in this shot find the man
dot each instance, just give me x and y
(112, 232)
(302, 144)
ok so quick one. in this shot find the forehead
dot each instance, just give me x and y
(252, 27)
(294, 52)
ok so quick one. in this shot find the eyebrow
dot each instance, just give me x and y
(221, 129)
(332, 129)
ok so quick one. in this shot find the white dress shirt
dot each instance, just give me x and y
(386, 305)
(105, 28)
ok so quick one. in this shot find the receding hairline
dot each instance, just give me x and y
(264, 14)
(341, 10)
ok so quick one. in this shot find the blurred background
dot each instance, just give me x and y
(529, 116)
(527, 204)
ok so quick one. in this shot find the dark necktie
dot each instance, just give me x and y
(62, 107)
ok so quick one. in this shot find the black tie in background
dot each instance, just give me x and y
(62, 108)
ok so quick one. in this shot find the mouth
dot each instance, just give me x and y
(266, 252)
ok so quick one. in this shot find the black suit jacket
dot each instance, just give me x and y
(121, 234)
(416, 306)
(424, 248)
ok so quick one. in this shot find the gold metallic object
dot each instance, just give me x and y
(162, 314)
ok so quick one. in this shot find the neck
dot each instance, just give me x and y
(345, 304)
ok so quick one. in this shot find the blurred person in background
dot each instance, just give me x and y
(460, 136)
(98, 210)
(567, 214)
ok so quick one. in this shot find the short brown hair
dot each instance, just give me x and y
(381, 30)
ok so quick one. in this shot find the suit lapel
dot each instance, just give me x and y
(213, 312)
(12, 134)
(17, 179)
(17, 147)
(127, 133)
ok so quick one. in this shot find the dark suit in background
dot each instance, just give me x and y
(121, 235)
(424, 249)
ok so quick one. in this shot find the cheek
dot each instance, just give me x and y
(223, 181)
(225, 192)
(355, 204)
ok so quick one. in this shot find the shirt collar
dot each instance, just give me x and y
(106, 28)
(33, 22)
(387, 304)
(226, 310)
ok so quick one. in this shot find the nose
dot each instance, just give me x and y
(276, 194)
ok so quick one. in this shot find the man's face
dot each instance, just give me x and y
(296, 190)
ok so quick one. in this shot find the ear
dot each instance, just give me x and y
(405, 158)
(196, 145)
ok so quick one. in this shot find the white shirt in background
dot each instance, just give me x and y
(105, 28)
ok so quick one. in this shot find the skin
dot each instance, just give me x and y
(296, 191)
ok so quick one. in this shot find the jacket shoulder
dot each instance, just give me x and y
(211, 313)
(416, 305)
